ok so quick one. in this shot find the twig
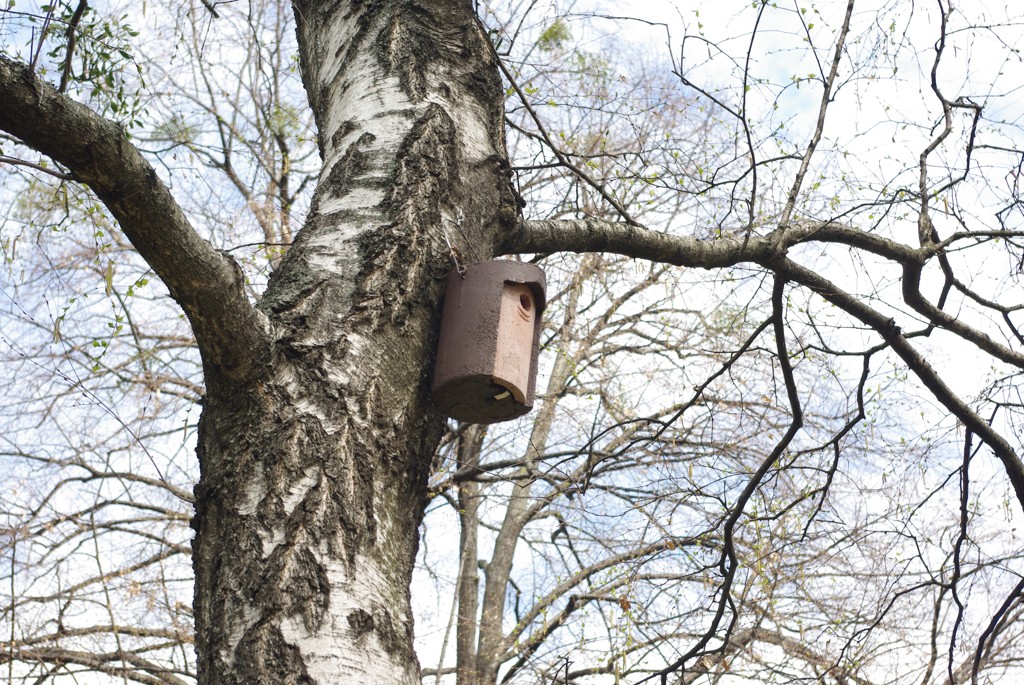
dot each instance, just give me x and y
(38, 167)
(72, 29)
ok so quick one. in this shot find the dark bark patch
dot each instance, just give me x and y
(300, 299)
(406, 52)
(305, 589)
(264, 656)
(396, 639)
(292, 287)
(344, 129)
(355, 510)
(361, 622)
(402, 262)
(351, 165)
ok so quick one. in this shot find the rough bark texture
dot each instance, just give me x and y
(314, 474)
(317, 433)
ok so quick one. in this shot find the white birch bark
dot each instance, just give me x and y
(308, 525)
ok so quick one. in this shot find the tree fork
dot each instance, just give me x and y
(309, 512)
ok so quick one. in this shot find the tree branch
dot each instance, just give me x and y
(205, 282)
(639, 242)
(56, 173)
(769, 251)
(916, 362)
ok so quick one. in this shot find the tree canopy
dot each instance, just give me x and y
(778, 434)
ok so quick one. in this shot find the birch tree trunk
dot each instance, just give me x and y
(317, 432)
(314, 474)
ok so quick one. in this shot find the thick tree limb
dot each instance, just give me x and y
(769, 251)
(205, 282)
(594, 235)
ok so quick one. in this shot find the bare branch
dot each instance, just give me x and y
(206, 283)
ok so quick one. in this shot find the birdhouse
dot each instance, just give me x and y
(486, 365)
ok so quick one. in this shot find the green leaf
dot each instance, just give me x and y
(554, 36)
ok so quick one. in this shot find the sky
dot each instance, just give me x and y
(878, 122)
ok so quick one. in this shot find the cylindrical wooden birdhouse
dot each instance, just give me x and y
(486, 364)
